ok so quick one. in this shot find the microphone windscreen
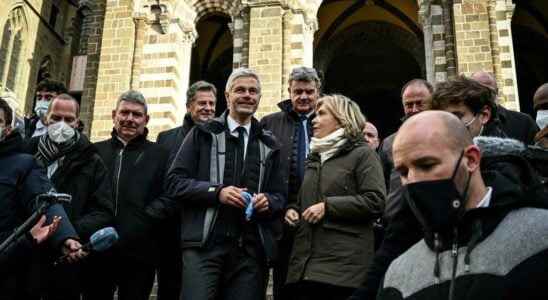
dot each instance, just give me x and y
(103, 239)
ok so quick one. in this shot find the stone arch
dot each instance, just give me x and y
(206, 7)
(369, 62)
(371, 31)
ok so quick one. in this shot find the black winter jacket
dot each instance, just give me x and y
(137, 172)
(83, 175)
(194, 182)
(283, 126)
(500, 252)
(21, 180)
(501, 166)
(517, 125)
(173, 138)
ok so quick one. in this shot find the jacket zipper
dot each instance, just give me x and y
(120, 159)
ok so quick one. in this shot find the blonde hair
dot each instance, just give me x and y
(346, 112)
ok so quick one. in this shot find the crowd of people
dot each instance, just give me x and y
(451, 206)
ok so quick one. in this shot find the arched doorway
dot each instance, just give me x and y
(367, 50)
(212, 54)
(530, 37)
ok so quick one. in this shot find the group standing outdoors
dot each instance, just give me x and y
(451, 206)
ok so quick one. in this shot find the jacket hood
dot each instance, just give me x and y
(515, 185)
(13, 143)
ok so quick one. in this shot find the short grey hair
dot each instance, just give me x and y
(201, 85)
(134, 97)
(239, 73)
(305, 74)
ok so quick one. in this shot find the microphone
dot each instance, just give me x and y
(100, 241)
(53, 197)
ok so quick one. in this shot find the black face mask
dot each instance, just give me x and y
(437, 204)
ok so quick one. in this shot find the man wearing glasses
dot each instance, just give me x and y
(45, 92)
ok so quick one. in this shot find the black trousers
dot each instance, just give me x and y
(132, 278)
(224, 271)
(279, 274)
(311, 290)
(170, 275)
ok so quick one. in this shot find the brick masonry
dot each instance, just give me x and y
(147, 45)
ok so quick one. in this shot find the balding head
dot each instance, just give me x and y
(429, 146)
(440, 126)
(540, 99)
(486, 79)
(415, 96)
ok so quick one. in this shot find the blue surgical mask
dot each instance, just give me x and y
(41, 108)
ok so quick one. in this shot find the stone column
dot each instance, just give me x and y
(265, 51)
(115, 64)
(280, 38)
(474, 52)
(432, 19)
(240, 33)
(140, 29)
(90, 45)
(298, 37)
(500, 19)
(164, 74)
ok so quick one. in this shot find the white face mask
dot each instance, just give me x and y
(60, 132)
(41, 108)
(542, 118)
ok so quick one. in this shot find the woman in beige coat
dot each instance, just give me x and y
(342, 193)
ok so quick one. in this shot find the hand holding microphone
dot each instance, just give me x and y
(98, 242)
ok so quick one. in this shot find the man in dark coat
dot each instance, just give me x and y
(200, 105)
(481, 239)
(415, 96)
(21, 181)
(475, 112)
(46, 90)
(293, 128)
(514, 124)
(229, 238)
(136, 167)
(75, 168)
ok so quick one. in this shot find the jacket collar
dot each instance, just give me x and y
(287, 107)
(188, 123)
(13, 143)
(134, 143)
(219, 124)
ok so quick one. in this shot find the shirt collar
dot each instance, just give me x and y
(233, 124)
(486, 199)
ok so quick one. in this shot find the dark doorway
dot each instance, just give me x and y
(212, 55)
(370, 62)
(530, 37)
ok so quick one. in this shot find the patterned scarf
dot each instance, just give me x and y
(49, 151)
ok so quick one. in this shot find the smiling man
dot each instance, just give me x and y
(292, 127)
(136, 168)
(227, 243)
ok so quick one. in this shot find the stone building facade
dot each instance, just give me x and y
(365, 49)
